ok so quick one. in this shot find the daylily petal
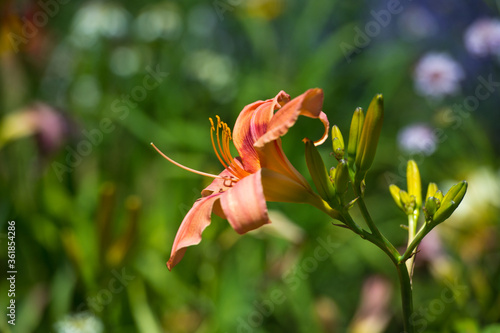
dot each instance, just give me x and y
(272, 157)
(280, 188)
(308, 104)
(189, 233)
(252, 123)
(219, 184)
(262, 171)
(245, 205)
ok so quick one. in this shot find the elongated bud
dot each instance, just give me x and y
(369, 136)
(431, 206)
(338, 143)
(394, 189)
(414, 182)
(355, 134)
(333, 171)
(341, 177)
(318, 171)
(450, 202)
(431, 190)
(408, 202)
(439, 195)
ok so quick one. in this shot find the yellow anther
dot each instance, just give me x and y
(212, 129)
(223, 150)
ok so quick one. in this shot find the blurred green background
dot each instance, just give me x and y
(87, 85)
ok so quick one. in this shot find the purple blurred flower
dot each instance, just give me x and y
(49, 126)
(418, 138)
(437, 75)
(482, 37)
(373, 313)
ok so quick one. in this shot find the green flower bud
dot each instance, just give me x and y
(370, 134)
(338, 143)
(394, 189)
(355, 134)
(342, 177)
(439, 195)
(318, 171)
(431, 206)
(450, 202)
(414, 183)
(431, 190)
(408, 202)
(333, 171)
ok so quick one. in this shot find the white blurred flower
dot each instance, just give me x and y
(481, 202)
(475, 222)
(482, 37)
(418, 138)
(216, 71)
(83, 322)
(159, 21)
(97, 19)
(125, 61)
(437, 74)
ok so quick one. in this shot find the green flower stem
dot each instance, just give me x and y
(386, 245)
(367, 217)
(364, 211)
(404, 278)
(347, 220)
(376, 238)
(412, 231)
(406, 296)
(381, 243)
(414, 243)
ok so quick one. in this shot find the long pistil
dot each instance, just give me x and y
(185, 167)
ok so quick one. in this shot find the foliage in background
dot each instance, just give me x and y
(85, 91)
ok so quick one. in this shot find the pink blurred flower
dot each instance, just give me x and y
(437, 75)
(482, 37)
(373, 312)
(49, 126)
(417, 138)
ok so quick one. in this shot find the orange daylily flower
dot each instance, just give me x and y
(261, 172)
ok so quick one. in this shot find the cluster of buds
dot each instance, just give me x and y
(437, 207)
(353, 162)
(409, 201)
(352, 166)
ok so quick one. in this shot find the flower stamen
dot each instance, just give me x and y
(212, 129)
(223, 152)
